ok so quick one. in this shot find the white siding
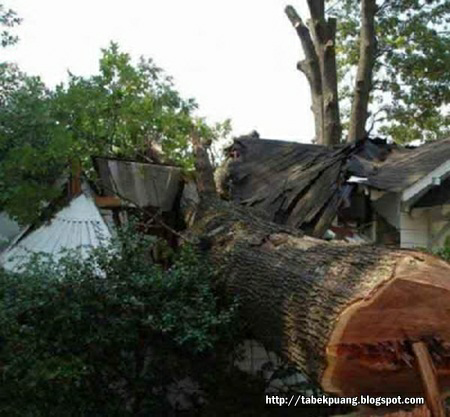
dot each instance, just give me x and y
(414, 229)
(256, 360)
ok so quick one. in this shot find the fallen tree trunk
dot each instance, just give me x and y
(345, 315)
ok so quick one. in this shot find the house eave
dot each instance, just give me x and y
(411, 194)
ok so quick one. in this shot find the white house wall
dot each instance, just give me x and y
(256, 360)
(425, 228)
(414, 228)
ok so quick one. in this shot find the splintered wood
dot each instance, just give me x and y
(373, 340)
(429, 379)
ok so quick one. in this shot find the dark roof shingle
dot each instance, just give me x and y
(304, 185)
(406, 166)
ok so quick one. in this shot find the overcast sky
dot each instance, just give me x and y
(237, 58)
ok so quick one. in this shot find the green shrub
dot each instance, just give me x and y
(444, 252)
(107, 336)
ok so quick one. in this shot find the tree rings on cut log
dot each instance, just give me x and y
(370, 349)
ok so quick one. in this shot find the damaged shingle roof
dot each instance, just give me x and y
(301, 185)
(261, 164)
(407, 166)
(304, 185)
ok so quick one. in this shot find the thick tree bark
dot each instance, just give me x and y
(346, 315)
(324, 35)
(332, 126)
(363, 85)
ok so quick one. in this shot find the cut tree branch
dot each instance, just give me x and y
(430, 382)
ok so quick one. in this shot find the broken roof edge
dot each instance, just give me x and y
(141, 183)
(396, 173)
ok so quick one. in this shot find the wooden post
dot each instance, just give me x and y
(108, 202)
(75, 178)
(429, 379)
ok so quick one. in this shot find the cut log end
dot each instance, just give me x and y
(345, 315)
(370, 351)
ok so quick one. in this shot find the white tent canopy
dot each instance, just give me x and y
(79, 226)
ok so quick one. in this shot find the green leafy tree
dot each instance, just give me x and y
(126, 110)
(108, 336)
(411, 81)
(8, 19)
(34, 146)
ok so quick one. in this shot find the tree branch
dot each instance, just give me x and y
(317, 23)
(303, 33)
(317, 9)
(310, 67)
(203, 167)
(363, 85)
(328, 67)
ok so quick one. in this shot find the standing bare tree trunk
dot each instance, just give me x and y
(311, 68)
(318, 39)
(324, 35)
(319, 66)
(363, 86)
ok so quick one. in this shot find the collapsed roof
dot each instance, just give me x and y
(304, 185)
